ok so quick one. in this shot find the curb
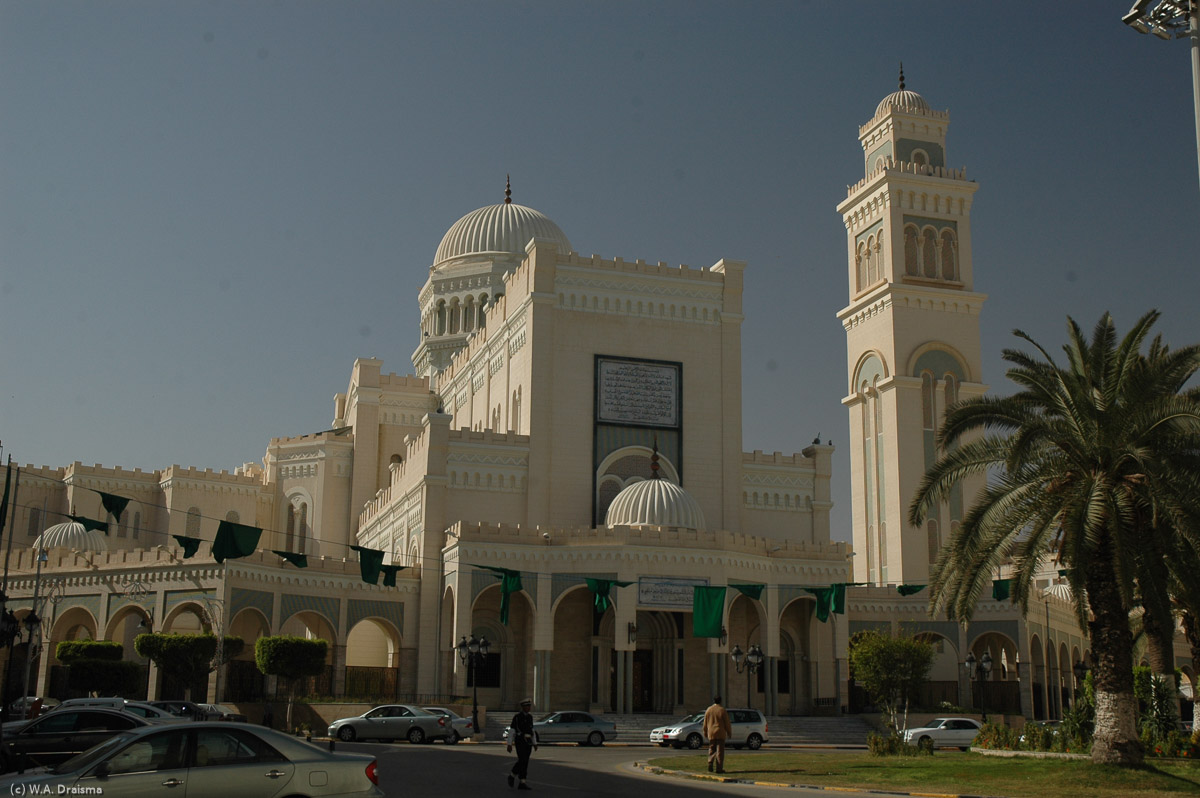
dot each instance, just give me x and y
(657, 771)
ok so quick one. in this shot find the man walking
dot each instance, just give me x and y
(717, 729)
(521, 735)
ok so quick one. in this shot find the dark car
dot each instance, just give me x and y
(182, 709)
(57, 736)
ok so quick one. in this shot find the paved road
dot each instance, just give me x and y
(556, 770)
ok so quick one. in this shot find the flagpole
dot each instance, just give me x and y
(8, 641)
(221, 629)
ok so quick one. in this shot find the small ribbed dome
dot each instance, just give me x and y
(71, 535)
(655, 502)
(905, 101)
(498, 228)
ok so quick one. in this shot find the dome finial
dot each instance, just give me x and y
(507, 190)
(654, 461)
(901, 76)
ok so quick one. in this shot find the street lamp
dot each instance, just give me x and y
(979, 671)
(1167, 20)
(473, 652)
(750, 661)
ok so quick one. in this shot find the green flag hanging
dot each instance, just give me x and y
(708, 610)
(90, 523)
(389, 574)
(298, 560)
(752, 591)
(234, 541)
(600, 590)
(370, 563)
(908, 590)
(1001, 589)
(824, 601)
(190, 545)
(114, 504)
(510, 583)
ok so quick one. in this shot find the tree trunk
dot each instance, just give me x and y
(1191, 628)
(1116, 737)
(1160, 652)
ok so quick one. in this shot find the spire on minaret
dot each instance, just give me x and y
(901, 76)
(654, 461)
(507, 190)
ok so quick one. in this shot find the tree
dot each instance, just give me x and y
(97, 668)
(290, 658)
(1081, 458)
(186, 658)
(891, 670)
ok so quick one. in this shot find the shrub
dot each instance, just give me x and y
(999, 737)
(71, 651)
(894, 745)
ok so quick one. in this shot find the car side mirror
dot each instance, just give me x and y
(101, 771)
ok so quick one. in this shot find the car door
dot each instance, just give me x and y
(378, 723)
(576, 726)
(150, 766)
(963, 732)
(551, 730)
(236, 763)
(44, 741)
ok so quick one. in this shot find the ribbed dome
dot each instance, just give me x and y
(905, 101)
(71, 535)
(498, 228)
(656, 502)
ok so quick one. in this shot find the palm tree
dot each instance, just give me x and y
(1079, 459)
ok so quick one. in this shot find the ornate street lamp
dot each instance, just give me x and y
(980, 671)
(750, 662)
(473, 653)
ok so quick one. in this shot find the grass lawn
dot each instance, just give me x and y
(953, 773)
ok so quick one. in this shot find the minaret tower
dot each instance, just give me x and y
(912, 331)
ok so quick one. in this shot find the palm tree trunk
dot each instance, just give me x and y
(1191, 628)
(1116, 739)
(1160, 652)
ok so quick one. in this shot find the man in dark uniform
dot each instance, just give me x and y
(521, 735)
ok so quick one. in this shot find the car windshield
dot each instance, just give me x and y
(94, 754)
(693, 718)
(546, 718)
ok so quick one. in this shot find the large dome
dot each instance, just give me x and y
(908, 102)
(498, 228)
(71, 535)
(655, 502)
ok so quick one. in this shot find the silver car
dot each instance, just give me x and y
(460, 728)
(749, 729)
(392, 722)
(232, 760)
(583, 728)
(945, 733)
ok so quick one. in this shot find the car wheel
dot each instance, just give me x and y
(694, 741)
(595, 739)
(416, 735)
(925, 740)
(754, 742)
(452, 737)
(346, 734)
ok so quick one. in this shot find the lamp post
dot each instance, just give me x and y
(750, 661)
(1172, 19)
(473, 652)
(979, 671)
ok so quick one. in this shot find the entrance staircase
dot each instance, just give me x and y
(843, 731)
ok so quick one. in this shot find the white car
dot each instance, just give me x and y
(749, 729)
(139, 708)
(461, 728)
(945, 733)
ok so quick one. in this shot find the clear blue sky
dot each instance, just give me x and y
(209, 209)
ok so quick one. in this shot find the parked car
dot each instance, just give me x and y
(392, 722)
(210, 758)
(59, 735)
(749, 729)
(21, 706)
(139, 708)
(221, 712)
(583, 728)
(460, 727)
(945, 733)
(181, 709)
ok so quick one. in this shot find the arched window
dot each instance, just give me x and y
(290, 539)
(515, 421)
(920, 158)
(929, 253)
(137, 524)
(910, 250)
(35, 521)
(193, 522)
(440, 328)
(872, 262)
(483, 300)
(123, 526)
(302, 528)
(935, 540)
(951, 390)
(233, 516)
(949, 264)
(468, 314)
(454, 316)
(396, 459)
